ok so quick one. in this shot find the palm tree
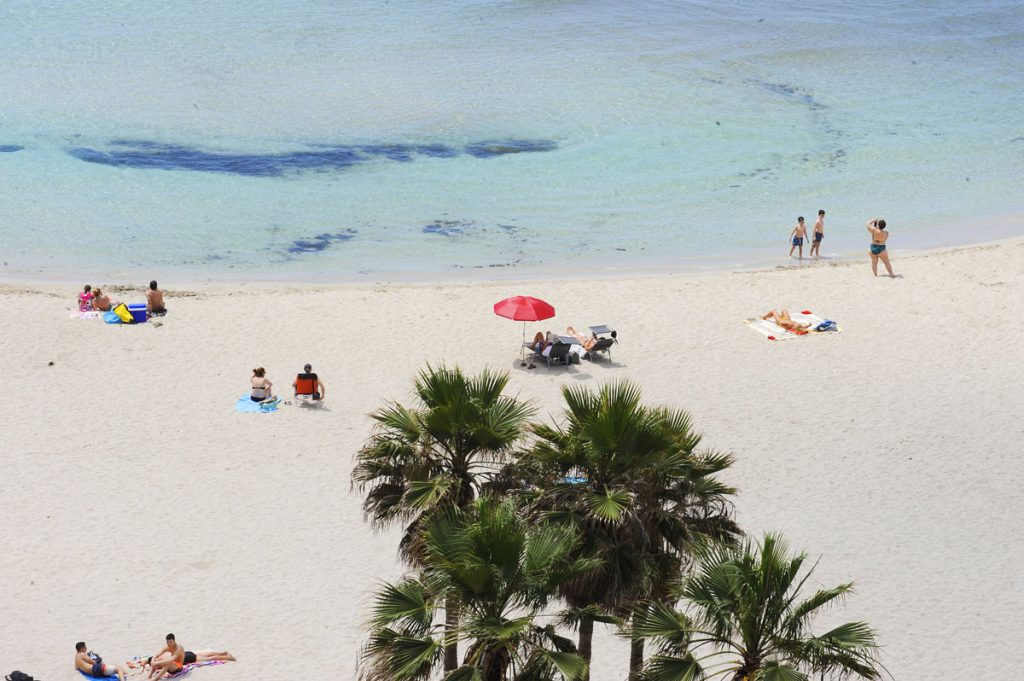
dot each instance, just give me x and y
(435, 456)
(630, 482)
(502, 570)
(746, 619)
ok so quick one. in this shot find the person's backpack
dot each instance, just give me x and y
(18, 676)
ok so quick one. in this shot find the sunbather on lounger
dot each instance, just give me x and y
(783, 319)
(587, 343)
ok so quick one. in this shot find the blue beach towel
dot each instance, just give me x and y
(247, 406)
(110, 318)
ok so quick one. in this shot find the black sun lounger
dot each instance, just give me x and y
(604, 343)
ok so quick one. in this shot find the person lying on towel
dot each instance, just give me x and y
(783, 319)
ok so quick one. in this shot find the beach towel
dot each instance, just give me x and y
(773, 331)
(247, 406)
(110, 318)
(83, 314)
(184, 670)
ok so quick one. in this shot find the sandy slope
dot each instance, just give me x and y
(135, 501)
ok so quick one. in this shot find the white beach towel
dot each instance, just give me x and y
(84, 314)
(769, 329)
(773, 331)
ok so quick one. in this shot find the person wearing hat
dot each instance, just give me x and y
(310, 384)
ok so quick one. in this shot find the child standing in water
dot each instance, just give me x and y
(819, 234)
(798, 235)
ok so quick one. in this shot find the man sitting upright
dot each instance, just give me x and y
(308, 384)
(91, 664)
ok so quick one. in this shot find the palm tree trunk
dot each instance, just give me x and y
(636, 658)
(586, 643)
(451, 644)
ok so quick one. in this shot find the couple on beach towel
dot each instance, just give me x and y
(172, 661)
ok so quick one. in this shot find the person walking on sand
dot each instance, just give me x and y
(91, 664)
(819, 234)
(798, 235)
(155, 300)
(876, 228)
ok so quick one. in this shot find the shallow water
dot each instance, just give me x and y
(333, 140)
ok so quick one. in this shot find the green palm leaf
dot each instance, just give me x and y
(406, 601)
(667, 668)
(609, 506)
(773, 670)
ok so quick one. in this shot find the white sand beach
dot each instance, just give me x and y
(137, 502)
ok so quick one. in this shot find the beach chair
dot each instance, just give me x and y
(604, 343)
(559, 353)
(305, 390)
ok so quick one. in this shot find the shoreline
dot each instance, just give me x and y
(466, 278)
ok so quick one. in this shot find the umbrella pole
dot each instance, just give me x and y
(522, 348)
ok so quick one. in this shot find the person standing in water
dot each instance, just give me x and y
(798, 235)
(876, 228)
(819, 234)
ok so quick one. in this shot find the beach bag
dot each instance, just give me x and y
(18, 676)
(827, 325)
(123, 313)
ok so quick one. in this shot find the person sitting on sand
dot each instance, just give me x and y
(261, 385)
(783, 319)
(155, 300)
(91, 664)
(85, 299)
(876, 228)
(173, 657)
(102, 301)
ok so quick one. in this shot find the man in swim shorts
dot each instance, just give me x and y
(91, 664)
(172, 658)
(798, 235)
(155, 300)
(819, 234)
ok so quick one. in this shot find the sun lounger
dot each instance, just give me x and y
(604, 343)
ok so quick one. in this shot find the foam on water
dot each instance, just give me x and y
(332, 139)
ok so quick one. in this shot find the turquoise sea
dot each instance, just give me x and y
(306, 139)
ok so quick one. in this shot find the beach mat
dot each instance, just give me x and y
(247, 406)
(83, 314)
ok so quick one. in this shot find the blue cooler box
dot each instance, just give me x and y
(138, 311)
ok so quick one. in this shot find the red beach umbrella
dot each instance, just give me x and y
(524, 309)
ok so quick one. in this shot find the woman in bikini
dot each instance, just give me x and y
(261, 385)
(876, 228)
(783, 319)
(587, 343)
